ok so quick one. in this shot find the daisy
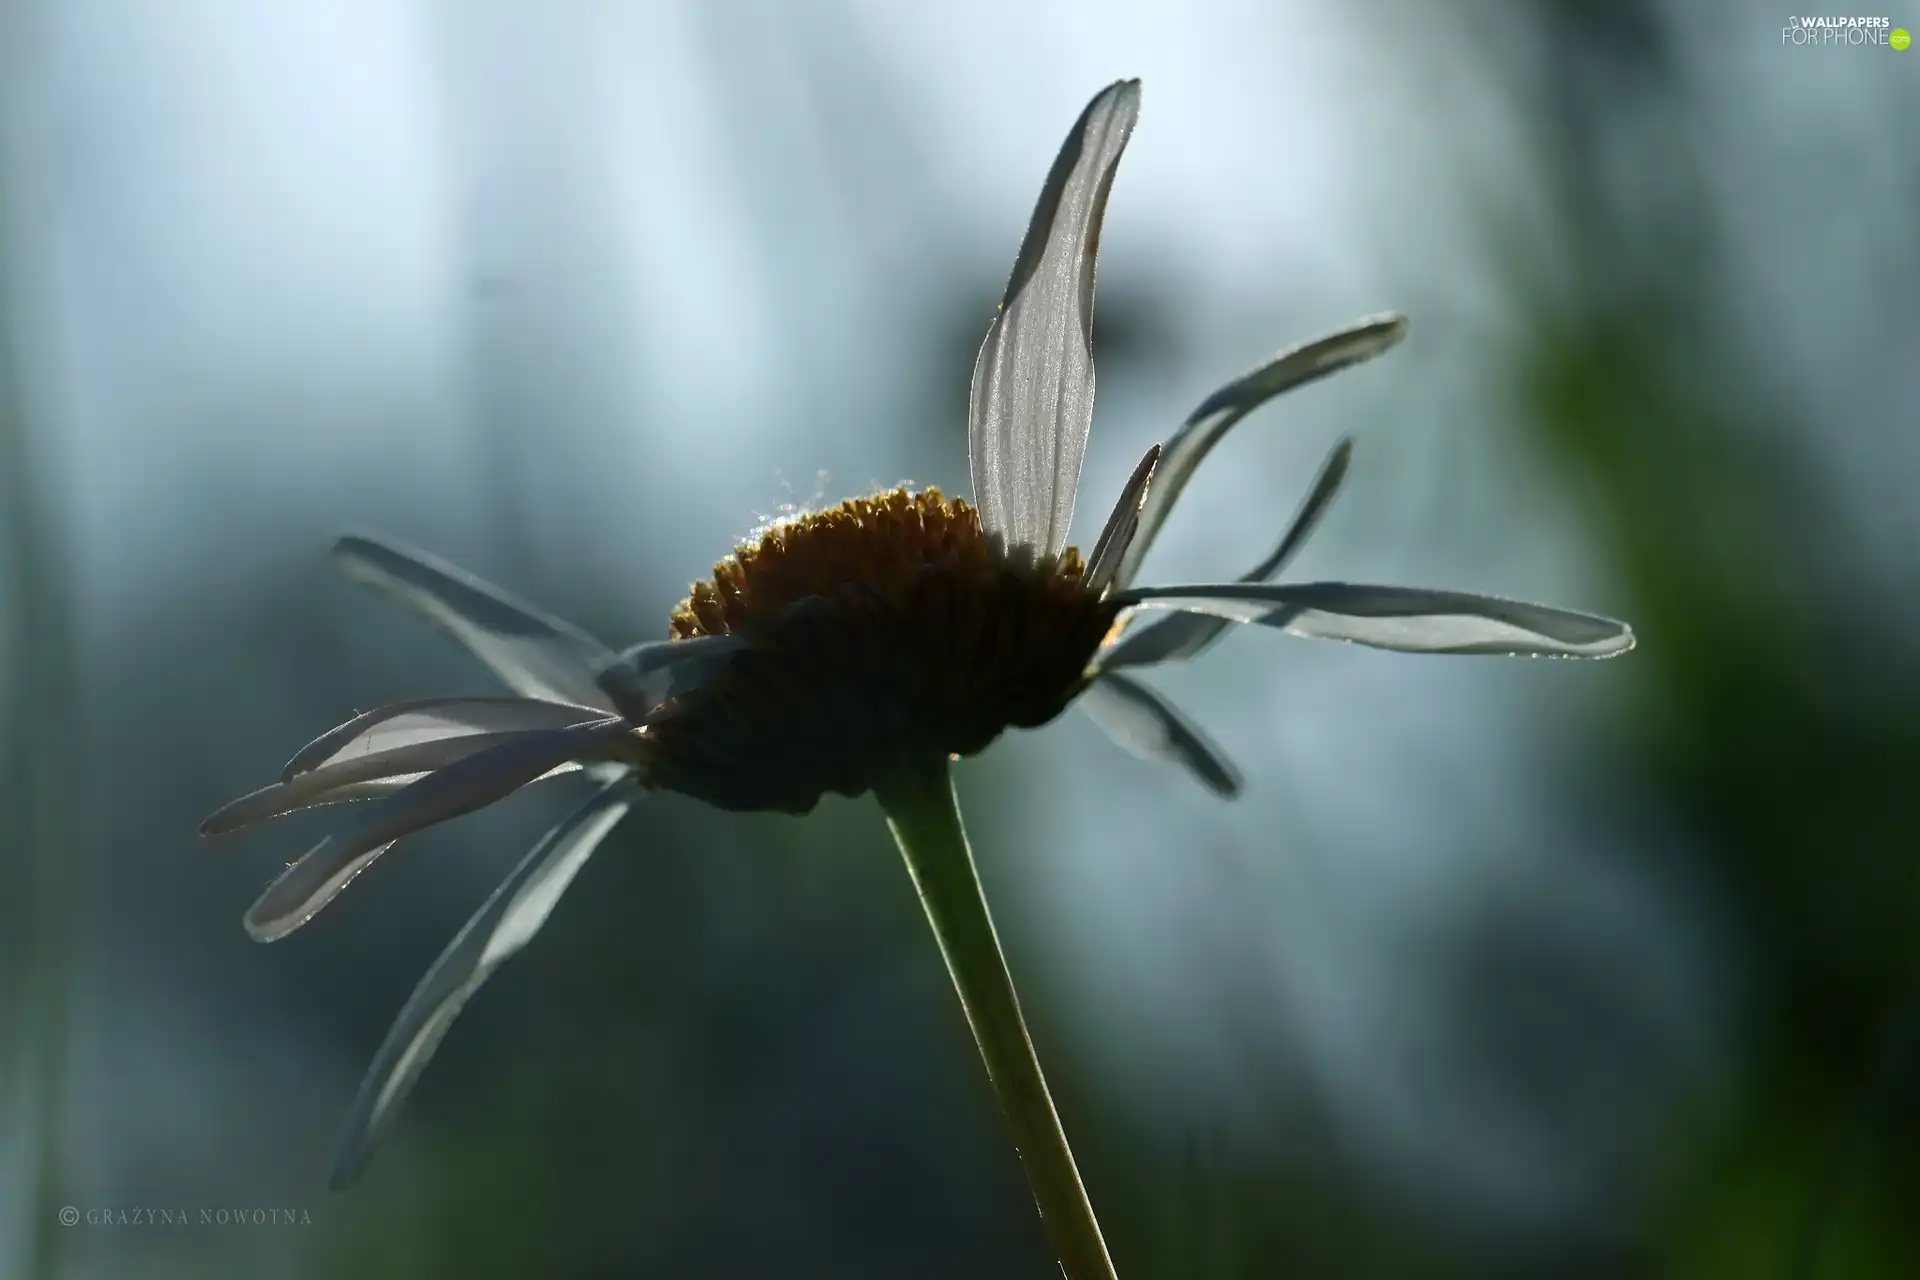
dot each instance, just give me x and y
(862, 648)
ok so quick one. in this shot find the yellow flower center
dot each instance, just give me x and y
(885, 629)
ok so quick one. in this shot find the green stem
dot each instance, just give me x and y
(925, 818)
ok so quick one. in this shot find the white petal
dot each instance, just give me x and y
(381, 751)
(1104, 562)
(1408, 619)
(1185, 636)
(400, 724)
(1320, 496)
(1173, 637)
(536, 655)
(1219, 412)
(473, 783)
(1147, 725)
(1032, 400)
(360, 778)
(508, 920)
(643, 677)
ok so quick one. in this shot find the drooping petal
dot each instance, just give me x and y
(1408, 619)
(469, 784)
(1173, 637)
(505, 923)
(279, 799)
(1219, 412)
(1320, 496)
(1104, 562)
(1185, 636)
(1032, 400)
(401, 724)
(536, 655)
(1147, 725)
(357, 778)
(646, 675)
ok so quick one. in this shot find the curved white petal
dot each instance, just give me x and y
(401, 724)
(1184, 636)
(1144, 723)
(1408, 619)
(1104, 561)
(1219, 412)
(646, 675)
(1320, 496)
(536, 655)
(1172, 637)
(505, 923)
(361, 778)
(472, 783)
(1032, 399)
(384, 750)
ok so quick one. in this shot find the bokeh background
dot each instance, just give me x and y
(1497, 969)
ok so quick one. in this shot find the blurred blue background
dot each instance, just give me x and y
(1498, 968)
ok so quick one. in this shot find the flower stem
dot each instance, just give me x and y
(925, 818)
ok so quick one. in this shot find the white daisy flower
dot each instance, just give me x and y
(861, 648)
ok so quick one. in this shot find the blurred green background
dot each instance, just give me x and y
(1498, 969)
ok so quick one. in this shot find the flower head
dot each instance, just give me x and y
(899, 627)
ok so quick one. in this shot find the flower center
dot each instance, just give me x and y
(883, 629)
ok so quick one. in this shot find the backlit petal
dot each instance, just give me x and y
(508, 920)
(1032, 399)
(1219, 412)
(536, 655)
(1408, 619)
(1185, 636)
(472, 783)
(1147, 725)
